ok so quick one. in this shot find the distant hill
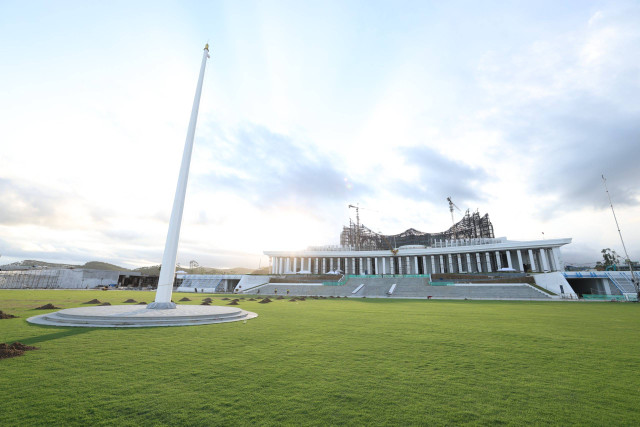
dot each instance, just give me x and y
(153, 270)
(97, 265)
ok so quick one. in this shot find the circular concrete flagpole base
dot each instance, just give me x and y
(135, 316)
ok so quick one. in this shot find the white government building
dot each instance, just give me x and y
(469, 246)
(479, 255)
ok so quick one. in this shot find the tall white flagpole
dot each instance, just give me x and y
(168, 269)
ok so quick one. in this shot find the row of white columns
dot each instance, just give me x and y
(469, 262)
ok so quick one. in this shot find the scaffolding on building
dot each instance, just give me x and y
(360, 237)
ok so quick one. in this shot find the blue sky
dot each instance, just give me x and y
(512, 108)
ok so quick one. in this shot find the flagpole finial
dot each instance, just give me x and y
(206, 46)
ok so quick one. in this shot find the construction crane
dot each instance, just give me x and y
(451, 206)
(357, 208)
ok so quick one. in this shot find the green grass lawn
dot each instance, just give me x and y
(328, 362)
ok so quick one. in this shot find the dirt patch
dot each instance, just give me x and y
(205, 303)
(93, 301)
(185, 299)
(264, 301)
(210, 300)
(293, 300)
(130, 300)
(142, 303)
(234, 302)
(47, 307)
(106, 303)
(13, 350)
(250, 299)
(225, 299)
(280, 297)
(6, 315)
(302, 299)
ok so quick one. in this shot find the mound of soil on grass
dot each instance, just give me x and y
(234, 302)
(280, 297)
(210, 300)
(224, 299)
(105, 303)
(264, 301)
(205, 303)
(47, 307)
(293, 300)
(13, 350)
(130, 300)
(302, 299)
(142, 303)
(93, 301)
(251, 299)
(6, 315)
(185, 299)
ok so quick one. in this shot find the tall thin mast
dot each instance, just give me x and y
(168, 270)
(633, 277)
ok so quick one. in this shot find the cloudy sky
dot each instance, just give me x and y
(512, 108)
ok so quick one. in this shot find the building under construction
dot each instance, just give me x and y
(471, 226)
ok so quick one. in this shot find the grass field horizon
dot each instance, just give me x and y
(328, 362)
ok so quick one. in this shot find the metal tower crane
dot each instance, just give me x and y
(451, 206)
(357, 208)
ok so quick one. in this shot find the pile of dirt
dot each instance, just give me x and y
(251, 299)
(130, 300)
(293, 300)
(142, 303)
(280, 297)
(47, 307)
(234, 302)
(106, 303)
(93, 301)
(13, 350)
(264, 301)
(210, 300)
(205, 303)
(302, 299)
(185, 299)
(6, 315)
(224, 299)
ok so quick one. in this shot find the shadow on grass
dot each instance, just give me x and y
(54, 336)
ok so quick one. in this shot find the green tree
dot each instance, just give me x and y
(609, 258)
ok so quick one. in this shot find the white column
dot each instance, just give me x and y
(469, 268)
(509, 259)
(384, 265)
(460, 270)
(360, 267)
(433, 264)
(424, 265)
(324, 265)
(478, 262)
(375, 264)
(450, 263)
(309, 265)
(168, 270)
(392, 266)
(520, 264)
(498, 261)
(295, 264)
(316, 267)
(408, 261)
(368, 265)
(346, 266)
(556, 259)
(543, 255)
(288, 267)
(488, 262)
(400, 269)
(441, 264)
(532, 261)
(281, 265)
(417, 270)
(353, 266)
